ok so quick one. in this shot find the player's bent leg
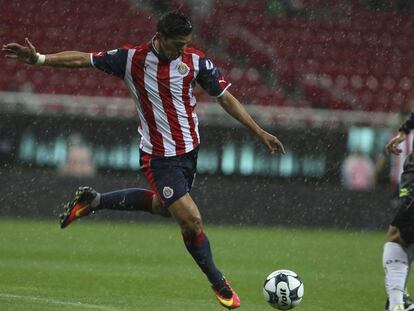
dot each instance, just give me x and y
(132, 199)
(395, 263)
(186, 212)
(87, 200)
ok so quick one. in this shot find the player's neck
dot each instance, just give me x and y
(157, 48)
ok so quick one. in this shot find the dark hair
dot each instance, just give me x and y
(173, 24)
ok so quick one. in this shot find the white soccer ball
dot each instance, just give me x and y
(283, 289)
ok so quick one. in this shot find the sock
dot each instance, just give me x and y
(395, 263)
(199, 248)
(133, 199)
(95, 202)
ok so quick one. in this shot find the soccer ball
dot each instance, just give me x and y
(283, 289)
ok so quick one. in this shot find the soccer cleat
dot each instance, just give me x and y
(398, 308)
(227, 296)
(79, 207)
(408, 303)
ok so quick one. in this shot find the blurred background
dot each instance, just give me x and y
(331, 79)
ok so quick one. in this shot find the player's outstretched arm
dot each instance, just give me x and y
(27, 54)
(234, 108)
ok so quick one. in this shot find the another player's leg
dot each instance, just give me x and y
(395, 263)
(186, 213)
(408, 303)
(87, 200)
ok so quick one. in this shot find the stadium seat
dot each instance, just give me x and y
(366, 54)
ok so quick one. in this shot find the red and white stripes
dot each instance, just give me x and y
(162, 92)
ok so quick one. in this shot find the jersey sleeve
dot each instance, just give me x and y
(112, 62)
(211, 79)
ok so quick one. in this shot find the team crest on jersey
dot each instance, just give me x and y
(183, 69)
(167, 192)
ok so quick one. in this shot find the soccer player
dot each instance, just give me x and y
(398, 250)
(161, 76)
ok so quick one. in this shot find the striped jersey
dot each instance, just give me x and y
(163, 93)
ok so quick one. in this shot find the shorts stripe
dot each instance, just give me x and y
(149, 176)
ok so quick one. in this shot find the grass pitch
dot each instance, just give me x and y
(116, 266)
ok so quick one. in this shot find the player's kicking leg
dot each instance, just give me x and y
(186, 213)
(87, 200)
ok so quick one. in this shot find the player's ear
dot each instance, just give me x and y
(158, 35)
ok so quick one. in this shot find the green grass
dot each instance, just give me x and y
(117, 266)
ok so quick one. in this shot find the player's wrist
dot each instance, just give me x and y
(408, 125)
(40, 59)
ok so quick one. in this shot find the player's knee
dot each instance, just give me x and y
(158, 208)
(191, 225)
(156, 202)
(394, 235)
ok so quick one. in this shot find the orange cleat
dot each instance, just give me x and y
(227, 297)
(79, 207)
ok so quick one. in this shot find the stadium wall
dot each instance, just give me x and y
(239, 183)
(222, 200)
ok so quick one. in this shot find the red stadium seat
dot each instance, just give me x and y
(368, 55)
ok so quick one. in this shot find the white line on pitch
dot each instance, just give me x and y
(58, 302)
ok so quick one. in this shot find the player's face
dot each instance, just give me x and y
(172, 48)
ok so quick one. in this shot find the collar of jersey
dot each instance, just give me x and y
(153, 48)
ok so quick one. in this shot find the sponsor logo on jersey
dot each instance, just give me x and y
(167, 192)
(183, 69)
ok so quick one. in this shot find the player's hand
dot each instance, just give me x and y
(25, 53)
(392, 146)
(272, 143)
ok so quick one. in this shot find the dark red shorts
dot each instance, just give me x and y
(170, 177)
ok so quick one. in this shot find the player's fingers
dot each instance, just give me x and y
(14, 46)
(30, 45)
(282, 149)
(391, 146)
(393, 143)
(13, 56)
(276, 148)
(8, 50)
(388, 148)
(395, 150)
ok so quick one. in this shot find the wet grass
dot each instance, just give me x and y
(117, 266)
